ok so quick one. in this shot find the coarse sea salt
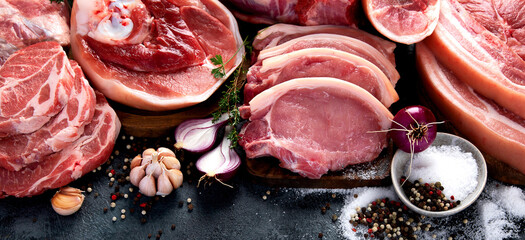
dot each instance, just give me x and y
(455, 169)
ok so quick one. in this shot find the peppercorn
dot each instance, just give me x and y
(190, 207)
(320, 235)
(172, 226)
(323, 210)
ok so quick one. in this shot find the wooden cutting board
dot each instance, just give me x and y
(376, 173)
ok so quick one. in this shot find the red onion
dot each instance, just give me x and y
(198, 135)
(413, 129)
(220, 163)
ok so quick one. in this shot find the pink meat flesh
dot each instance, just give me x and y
(64, 128)
(320, 62)
(494, 129)
(478, 58)
(85, 154)
(281, 33)
(313, 125)
(36, 82)
(21, 26)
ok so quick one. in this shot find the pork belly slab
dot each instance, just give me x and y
(494, 129)
(315, 125)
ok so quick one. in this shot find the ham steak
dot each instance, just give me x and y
(154, 55)
(86, 153)
(313, 125)
(21, 26)
(494, 129)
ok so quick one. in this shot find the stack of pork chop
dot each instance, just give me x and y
(317, 97)
(53, 126)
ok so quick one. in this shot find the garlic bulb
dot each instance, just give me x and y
(67, 200)
(156, 172)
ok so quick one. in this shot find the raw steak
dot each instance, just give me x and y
(313, 125)
(337, 42)
(21, 150)
(280, 33)
(26, 22)
(320, 62)
(494, 129)
(154, 55)
(82, 156)
(479, 58)
(35, 84)
(304, 12)
(502, 18)
(405, 22)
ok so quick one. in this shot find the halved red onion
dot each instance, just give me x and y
(220, 163)
(198, 135)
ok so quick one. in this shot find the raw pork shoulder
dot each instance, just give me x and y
(495, 130)
(313, 125)
(154, 55)
(320, 62)
(64, 128)
(36, 82)
(85, 154)
(25, 22)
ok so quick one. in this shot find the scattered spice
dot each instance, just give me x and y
(181, 204)
(114, 219)
(149, 235)
(334, 218)
(264, 197)
(105, 210)
(323, 210)
(172, 226)
(427, 196)
(320, 235)
(190, 207)
(34, 220)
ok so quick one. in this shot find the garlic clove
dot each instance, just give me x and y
(175, 177)
(136, 161)
(164, 185)
(154, 169)
(147, 186)
(136, 175)
(67, 201)
(171, 162)
(165, 152)
(148, 152)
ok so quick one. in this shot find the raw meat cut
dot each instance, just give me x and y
(494, 129)
(328, 12)
(22, 26)
(478, 58)
(313, 125)
(264, 12)
(304, 12)
(405, 22)
(320, 62)
(337, 42)
(502, 18)
(64, 128)
(280, 33)
(36, 82)
(82, 156)
(154, 55)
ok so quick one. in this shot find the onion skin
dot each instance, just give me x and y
(423, 136)
(198, 135)
(222, 162)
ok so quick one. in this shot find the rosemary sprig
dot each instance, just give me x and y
(231, 97)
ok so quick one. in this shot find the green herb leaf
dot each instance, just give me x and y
(57, 1)
(231, 97)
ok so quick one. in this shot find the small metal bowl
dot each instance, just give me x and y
(401, 159)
